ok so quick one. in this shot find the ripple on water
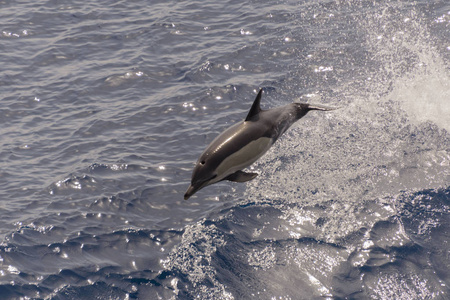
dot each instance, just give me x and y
(84, 258)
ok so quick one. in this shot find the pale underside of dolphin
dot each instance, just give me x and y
(243, 143)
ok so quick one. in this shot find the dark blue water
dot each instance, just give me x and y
(106, 105)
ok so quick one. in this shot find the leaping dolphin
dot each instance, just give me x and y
(243, 143)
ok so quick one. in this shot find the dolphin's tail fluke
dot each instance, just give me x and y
(303, 108)
(320, 107)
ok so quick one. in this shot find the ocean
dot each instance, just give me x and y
(106, 106)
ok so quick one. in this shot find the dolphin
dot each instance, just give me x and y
(245, 142)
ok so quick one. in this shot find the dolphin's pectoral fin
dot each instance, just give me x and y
(241, 176)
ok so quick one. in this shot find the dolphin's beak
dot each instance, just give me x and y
(193, 188)
(191, 191)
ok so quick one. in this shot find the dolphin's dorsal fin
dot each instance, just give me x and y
(256, 109)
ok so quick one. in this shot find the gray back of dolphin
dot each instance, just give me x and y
(243, 143)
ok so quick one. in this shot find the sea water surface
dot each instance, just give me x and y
(106, 106)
